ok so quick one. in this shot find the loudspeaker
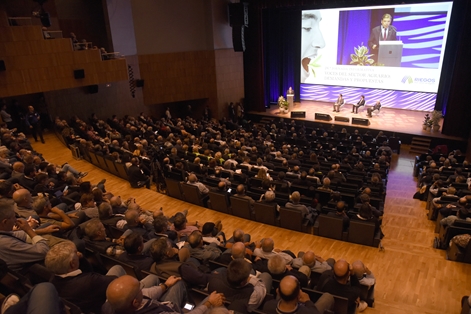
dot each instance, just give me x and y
(360, 121)
(238, 38)
(79, 74)
(2, 66)
(139, 83)
(322, 116)
(93, 89)
(238, 14)
(298, 114)
(342, 119)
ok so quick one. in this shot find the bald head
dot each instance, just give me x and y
(268, 245)
(22, 197)
(238, 250)
(341, 271)
(289, 289)
(115, 201)
(132, 218)
(309, 258)
(358, 269)
(123, 294)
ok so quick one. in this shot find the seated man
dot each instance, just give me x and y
(340, 213)
(338, 103)
(238, 250)
(86, 290)
(136, 176)
(126, 295)
(96, 239)
(138, 224)
(340, 282)
(308, 212)
(193, 180)
(241, 193)
(135, 254)
(365, 277)
(462, 214)
(20, 248)
(293, 300)
(245, 291)
(200, 251)
(360, 103)
(276, 266)
(370, 110)
(316, 263)
(266, 249)
(167, 259)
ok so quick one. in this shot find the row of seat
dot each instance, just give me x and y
(331, 227)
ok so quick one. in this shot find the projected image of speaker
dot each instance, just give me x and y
(360, 121)
(322, 116)
(298, 114)
(342, 119)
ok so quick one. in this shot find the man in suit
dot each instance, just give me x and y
(338, 103)
(137, 178)
(370, 110)
(384, 32)
(360, 103)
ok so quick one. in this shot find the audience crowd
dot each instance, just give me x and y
(50, 216)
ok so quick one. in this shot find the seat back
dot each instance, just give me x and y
(293, 220)
(265, 213)
(174, 189)
(122, 170)
(361, 232)
(109, 262)
(323, 196)
(219, 202)
(340, 303)
(102, 162)
(241, 207)
(192, 194)
(111, 166)
(330, 227)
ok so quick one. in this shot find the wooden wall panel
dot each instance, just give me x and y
(35, 64)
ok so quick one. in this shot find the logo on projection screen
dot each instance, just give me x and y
(418, 80)
(407, 79)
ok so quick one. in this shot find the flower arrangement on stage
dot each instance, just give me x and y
(427, 121)
(361, 56)
(283, 104)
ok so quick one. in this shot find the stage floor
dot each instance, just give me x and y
(392, 120)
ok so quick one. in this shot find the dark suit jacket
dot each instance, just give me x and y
(376, 35)
(361, 102)
(135, 175)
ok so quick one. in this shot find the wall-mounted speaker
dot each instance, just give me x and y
(79, 74)
(342, 119)
(298, 114)
(360, 121)
(93, 89)
(238, 14)
(139, 83)
(322, 116)
(2, 66)
(238, 40)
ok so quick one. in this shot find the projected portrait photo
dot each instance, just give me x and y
(312, 41)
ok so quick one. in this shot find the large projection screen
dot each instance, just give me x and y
(339, 51)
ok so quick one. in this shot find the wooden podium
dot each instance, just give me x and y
(290, 99)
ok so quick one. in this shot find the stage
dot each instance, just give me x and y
(391, 120)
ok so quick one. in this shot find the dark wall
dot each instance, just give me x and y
(86, 19)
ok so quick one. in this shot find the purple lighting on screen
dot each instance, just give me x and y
(389, 98)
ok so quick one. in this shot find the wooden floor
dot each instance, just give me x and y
(412, 277)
